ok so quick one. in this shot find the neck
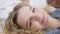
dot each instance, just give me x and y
(53, 23)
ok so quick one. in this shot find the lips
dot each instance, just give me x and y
(43, 20)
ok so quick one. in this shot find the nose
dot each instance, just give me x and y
(38, 15)
(36, 25)
(36, 18)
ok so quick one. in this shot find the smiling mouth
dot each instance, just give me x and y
(43, 19)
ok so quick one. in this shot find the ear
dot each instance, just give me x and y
(25, 1)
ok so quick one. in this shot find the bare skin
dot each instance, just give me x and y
(36, 18)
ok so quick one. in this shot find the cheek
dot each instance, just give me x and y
(36, 25)
(21, 21)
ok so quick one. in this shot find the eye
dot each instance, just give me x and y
(29, 23)
(33, 10)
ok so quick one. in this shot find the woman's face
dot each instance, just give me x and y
(32, 18)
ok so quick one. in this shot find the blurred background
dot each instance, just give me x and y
(7, 6)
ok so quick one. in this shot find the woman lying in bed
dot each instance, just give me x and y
(25, 18)
(29, 20)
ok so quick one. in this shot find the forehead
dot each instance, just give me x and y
(24, 13)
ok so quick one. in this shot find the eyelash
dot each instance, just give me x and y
(29, 23)
(33, 10)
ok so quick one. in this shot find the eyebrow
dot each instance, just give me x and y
(27, 23)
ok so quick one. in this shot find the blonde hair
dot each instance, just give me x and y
(12, 28)
(47, 9)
